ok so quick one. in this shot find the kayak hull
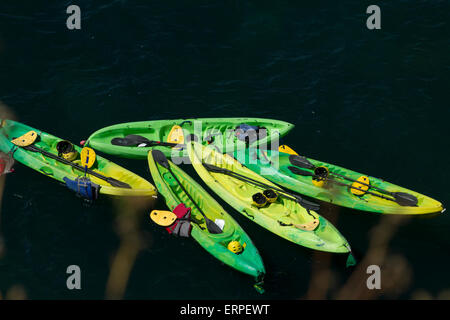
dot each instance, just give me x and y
(249, 261)
(58, 171)
(274, 166)
(220, 130)
(280, 217)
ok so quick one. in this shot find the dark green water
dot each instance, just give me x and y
(374, 101)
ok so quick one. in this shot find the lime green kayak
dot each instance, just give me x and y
(248, 261)
(131, 140)
(282, 169)
(59, 171)
(284, 217)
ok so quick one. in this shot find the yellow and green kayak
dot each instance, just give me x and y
(135, 139)
(167, 178)
(45, 162)
(284, 217)
(341, 186)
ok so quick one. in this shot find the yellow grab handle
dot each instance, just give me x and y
(286, 149)
(163, 218)
(360, 188)
(87, 157)
(310, 226)
(26, 140)
(176, 135)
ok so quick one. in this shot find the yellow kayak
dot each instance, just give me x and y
(43, 157)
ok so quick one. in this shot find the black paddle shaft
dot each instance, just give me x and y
(402, 198)
(399, 197)
(112, 181)
(306, 204)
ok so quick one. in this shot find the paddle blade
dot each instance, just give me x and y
(405, 199)
(26, 139)
(300, 172)
(306, 204)
(160, 158)
(300, 161)
(212, 227)
(87, 156)
(131, 140)
(309, 205)
(286, 149)
(116, 183)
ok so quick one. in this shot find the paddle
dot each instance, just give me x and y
(135, 140)
(161, 159)
(26, 141)
(304, 203)
(400, 197)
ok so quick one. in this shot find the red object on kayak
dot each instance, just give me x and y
(181, 212)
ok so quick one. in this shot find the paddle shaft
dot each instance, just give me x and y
(110, 180)
(350, 179)
(365, 184)
(352, 187)
(349, 186)
(257, 183)
(165, 144)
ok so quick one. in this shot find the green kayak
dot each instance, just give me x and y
(47, 165)
(284, 217)
(192, 195)
(134, 139)
(293, 172)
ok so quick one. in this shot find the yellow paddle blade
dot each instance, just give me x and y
(27, 139)
(163, 218)
(176, 135)
(310, 226)
(362, 188)
(286, 149)
(87, 157)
